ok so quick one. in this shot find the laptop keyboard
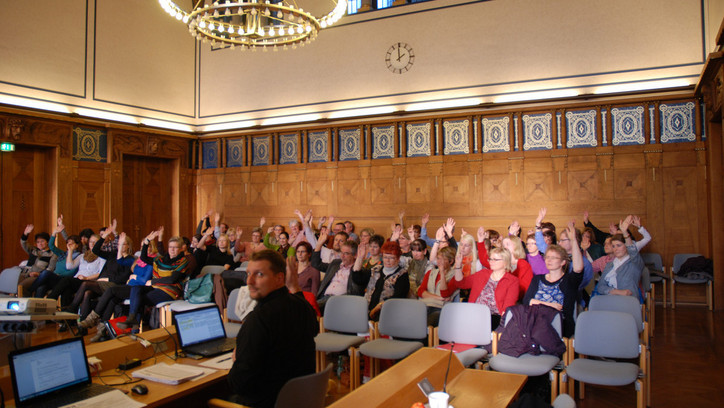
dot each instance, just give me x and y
(66, 398)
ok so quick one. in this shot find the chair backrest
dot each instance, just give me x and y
(653, 261)
(308, 391)
(212, 269)
(346, 314)
(602, 333)
(9, 280)
(679, 260)
(623, 304)
(646, 279)
(231, 305)
(406, 318)
(465, 323)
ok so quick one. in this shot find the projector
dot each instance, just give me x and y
(28, 306)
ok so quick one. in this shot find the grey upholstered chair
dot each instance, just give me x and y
(399, 318)
(610, 335)
(657, 274)
(9, 279)
(308, 391)
(230, 324)
(465, 323)
(529, 364)
(344, 323)
(679, 260)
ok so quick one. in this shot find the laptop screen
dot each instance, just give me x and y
(43, 369)
(199, 325)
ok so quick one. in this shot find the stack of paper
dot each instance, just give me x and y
(169, 373)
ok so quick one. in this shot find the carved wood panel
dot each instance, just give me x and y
(147, 193)
(26, 198)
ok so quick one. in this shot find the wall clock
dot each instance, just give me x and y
(399, 58)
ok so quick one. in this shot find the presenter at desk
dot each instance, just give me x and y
(276, 341)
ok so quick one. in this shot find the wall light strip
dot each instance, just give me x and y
(167, 125)
(450, 103)
(33, 104)
(379, 110)
(642, 86)
(92, 113)
(531, 96)
(228, 126)
(291, 119)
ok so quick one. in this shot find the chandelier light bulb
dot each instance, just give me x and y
(211, 26)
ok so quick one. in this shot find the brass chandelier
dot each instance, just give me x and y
(253, 23)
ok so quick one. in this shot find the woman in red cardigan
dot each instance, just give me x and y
(519, 266)
(496, 287)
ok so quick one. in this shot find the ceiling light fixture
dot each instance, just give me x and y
(291, 119)
(348, 113)
(532, 96)
(92, 113)
(253, 23)
(641, 86)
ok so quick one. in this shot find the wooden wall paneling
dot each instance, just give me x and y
(654, 219)
(715, 175)
(604, 163)
(703, 220)
(582, 180)
(91, 195)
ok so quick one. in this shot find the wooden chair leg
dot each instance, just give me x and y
(563, 383)
(673, 294)
(353, 369)
(581, 390)
(709, 295)
(640, 394)
(553, 375)
(666, 303)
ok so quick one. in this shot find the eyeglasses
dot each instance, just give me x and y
(495, 259)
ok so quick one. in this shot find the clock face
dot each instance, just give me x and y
(399, 58)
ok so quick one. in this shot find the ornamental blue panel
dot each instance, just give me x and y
(456, 137)
(288, 149)
(90, 144)
(538, 131)
(261, 147)
(418, 140)
(318, 149)
(383, 142)
(677, 122)
(349, 144)
(234, 153)
(581, 129)
(210, 154)
(628, 125)
(496, 133)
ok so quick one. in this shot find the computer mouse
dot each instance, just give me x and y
(140, 389)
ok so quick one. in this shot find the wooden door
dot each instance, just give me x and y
(26, 182)
(147, 196)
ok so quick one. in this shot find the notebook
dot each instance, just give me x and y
(201, 331)
(52, 374)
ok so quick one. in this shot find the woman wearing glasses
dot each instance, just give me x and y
(383, 282)
(495, 288)
(558, 289)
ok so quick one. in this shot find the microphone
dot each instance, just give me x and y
(449, 359)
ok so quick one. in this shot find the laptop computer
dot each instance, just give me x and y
(52, 374)
(201, 332)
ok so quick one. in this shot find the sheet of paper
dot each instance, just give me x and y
(222, 362)
(170, 373)
(111, 399)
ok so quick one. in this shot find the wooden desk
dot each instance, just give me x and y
(189, 394)
(397, 386)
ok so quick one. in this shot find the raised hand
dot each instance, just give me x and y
(239, 232)
(61, 226)
(121, 239)
(151, 236)
(458, 260)
(308, 217)
(541, 215)
(401, 216)
(624, 224)
(159, 233)
(262, 221)
(462, 233)
(396, 233)
(636, 221)
(612, 229)
(425, 219)
(299, 214)
(585, 217)
(514, 228)
(28, 229)
(292, 276)
(571, 230)
(449, 226)
(440, 234)
(481, 234)
(331, 221)
(217, 218)
(114, 225)
(410, 232)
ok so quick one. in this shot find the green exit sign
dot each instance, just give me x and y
(7, 147)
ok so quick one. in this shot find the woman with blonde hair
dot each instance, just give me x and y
(433, 290)
(496, 287)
